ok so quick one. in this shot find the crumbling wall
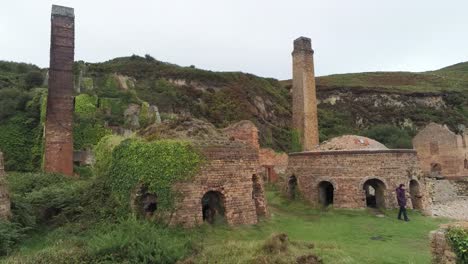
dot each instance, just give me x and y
(4, 197)
(442, 252)
(274, 163)
(441, 153)
(347, 171)
(244, 131)
(228, 170)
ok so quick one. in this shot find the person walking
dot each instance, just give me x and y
(401, 197)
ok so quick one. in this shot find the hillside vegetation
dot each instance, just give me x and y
(388, 106)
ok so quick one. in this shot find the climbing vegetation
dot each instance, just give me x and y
(158, 165)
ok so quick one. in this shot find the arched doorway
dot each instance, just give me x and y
(145, 203)
(325, 190)
(292, 187)
(375, 193)
(415, 194)
(213, 207)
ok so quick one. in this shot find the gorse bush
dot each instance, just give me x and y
(390, 136)
(458, 237)
(157, 165)
(138, 241)
(10, 234)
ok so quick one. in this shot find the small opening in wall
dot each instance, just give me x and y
(146, 203)
(213, 207)
(325, 193)
(436, 170)
(292, 187)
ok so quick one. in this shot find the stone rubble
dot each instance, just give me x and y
(456, 209)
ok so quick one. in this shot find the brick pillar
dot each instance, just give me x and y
(304, 95)
(5, 211)
(59, 120)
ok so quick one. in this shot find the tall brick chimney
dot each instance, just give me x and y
(305, 121)
(59, 118)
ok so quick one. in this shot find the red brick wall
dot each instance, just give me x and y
(273, 163)
(244, 131)
(228, 170)
(348, 170)
(4, 197)
(58, 127)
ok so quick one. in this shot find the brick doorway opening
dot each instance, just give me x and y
(415, 194)
(326, 192)
(375, 193)
(145, 203)
(213, 207)
(292, 187)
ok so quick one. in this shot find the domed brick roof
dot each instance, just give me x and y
(351, 142)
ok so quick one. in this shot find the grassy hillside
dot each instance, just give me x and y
(380, 104)
(448, 79)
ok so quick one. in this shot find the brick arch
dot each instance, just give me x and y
(363, 180)
(327, 179)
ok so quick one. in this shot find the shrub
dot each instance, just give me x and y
(458, 238)
(135, 241)
(85, 105)
(87, 133)
(10, 234)
(33, 79)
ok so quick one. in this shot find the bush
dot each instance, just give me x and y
(10, 234)
(458, 237)
(103, 154)
(33, 79)
(135, 241)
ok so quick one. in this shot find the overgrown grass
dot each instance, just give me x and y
(337, 236)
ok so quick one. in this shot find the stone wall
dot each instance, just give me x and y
(347, 171)
(441, 249)
(4, 197)
(59, 117)
(230, 170)
(442, 153)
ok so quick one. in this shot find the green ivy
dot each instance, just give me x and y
(143, 116)
(87, 133)
(296, 141)
(157, 165)
(458, 237)
(103, 154)
(85, 105)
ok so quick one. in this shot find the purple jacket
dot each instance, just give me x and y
(401, 197)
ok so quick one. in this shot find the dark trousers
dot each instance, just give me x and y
(402, 211)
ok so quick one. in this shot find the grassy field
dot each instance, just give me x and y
(337, 236)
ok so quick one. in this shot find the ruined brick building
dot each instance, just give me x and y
(228, 185)
(4, 197)
(348, 171)
(441, 152)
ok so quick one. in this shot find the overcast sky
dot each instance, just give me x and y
(248, 35)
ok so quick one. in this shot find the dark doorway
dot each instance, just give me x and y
(325, 189)
(375, 193)
(415, 194)
(436, 170)
(213, 207)
(145, 203)
(292, 187)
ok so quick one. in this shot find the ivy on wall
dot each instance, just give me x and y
(86, 105)
(103, 154)
(158, 165)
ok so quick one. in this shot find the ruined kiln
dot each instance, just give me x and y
(228, 185)
(348, 171)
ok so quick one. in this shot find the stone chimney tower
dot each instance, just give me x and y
(305, 121)
(5, 211)
(59, 118)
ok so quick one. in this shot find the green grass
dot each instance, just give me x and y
(338, 236)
